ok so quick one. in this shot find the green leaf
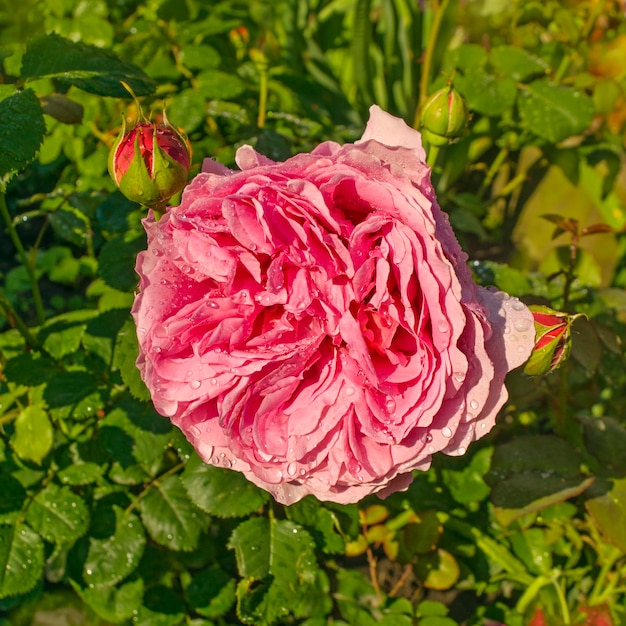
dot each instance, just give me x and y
(30, 369)
(467, 485)
(609, 513)
(92, 69)
(61, 335)
(211, 592)
(438, 570)
(117, 262)
(320, 522)
(277, 558)
(531, 547)
(216, 85)
(221, 492)
(161, 607)
(69, 388)
(58, 515)
(170, 517)
(116, 549)
(21, 559)
(517, 63)
(486, 93)
(114, 604)
(605, 439)
(125, 356)
(554, 112)
(22, 130)
(532, 472)
(12, 496)
(81, 473)
(33, 435)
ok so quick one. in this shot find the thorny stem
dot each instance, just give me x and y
(152, 484)
(28, 263)
(439, 10)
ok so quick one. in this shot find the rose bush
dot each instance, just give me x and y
(313, 323)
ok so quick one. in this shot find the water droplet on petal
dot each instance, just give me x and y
(291, 469)
(428, 438)
(390, 405)
(522, 325)
(195, 384)
(349, 391)
(443, 326)
(473, 405)
(518, 305)
(212, 304)
(460, 376)
(446, 432)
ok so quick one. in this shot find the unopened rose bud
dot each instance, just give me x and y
(444, 116)
(150, 162)
(553, 340)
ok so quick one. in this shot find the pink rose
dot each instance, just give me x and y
(313, 323)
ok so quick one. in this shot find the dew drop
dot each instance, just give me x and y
(473, 405)
(522, 325)
(459, 376)
(302, 472)
(349, 391)
(428, 438)
(212, 304)
(292, 469)
(195, 384)
(518, 305)
(390, 405)
(446, 432)
(461, 450)
(443, 326)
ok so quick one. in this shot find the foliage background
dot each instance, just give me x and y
(106, 514)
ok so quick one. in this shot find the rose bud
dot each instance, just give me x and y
(444, 116)
(553, 340)
(150, 162)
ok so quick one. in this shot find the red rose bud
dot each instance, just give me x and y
(150, 163)
(553, 340)
(444, 116)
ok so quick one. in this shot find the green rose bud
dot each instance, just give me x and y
(444, 116)
(150, 162)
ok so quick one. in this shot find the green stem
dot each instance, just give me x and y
(429, 53)
(152, 484)
(29, 263)
(562, 602)
(496, 165)
(263, 89)
(15, 321)
(431, 159)
(602, 589)
(598, 9)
